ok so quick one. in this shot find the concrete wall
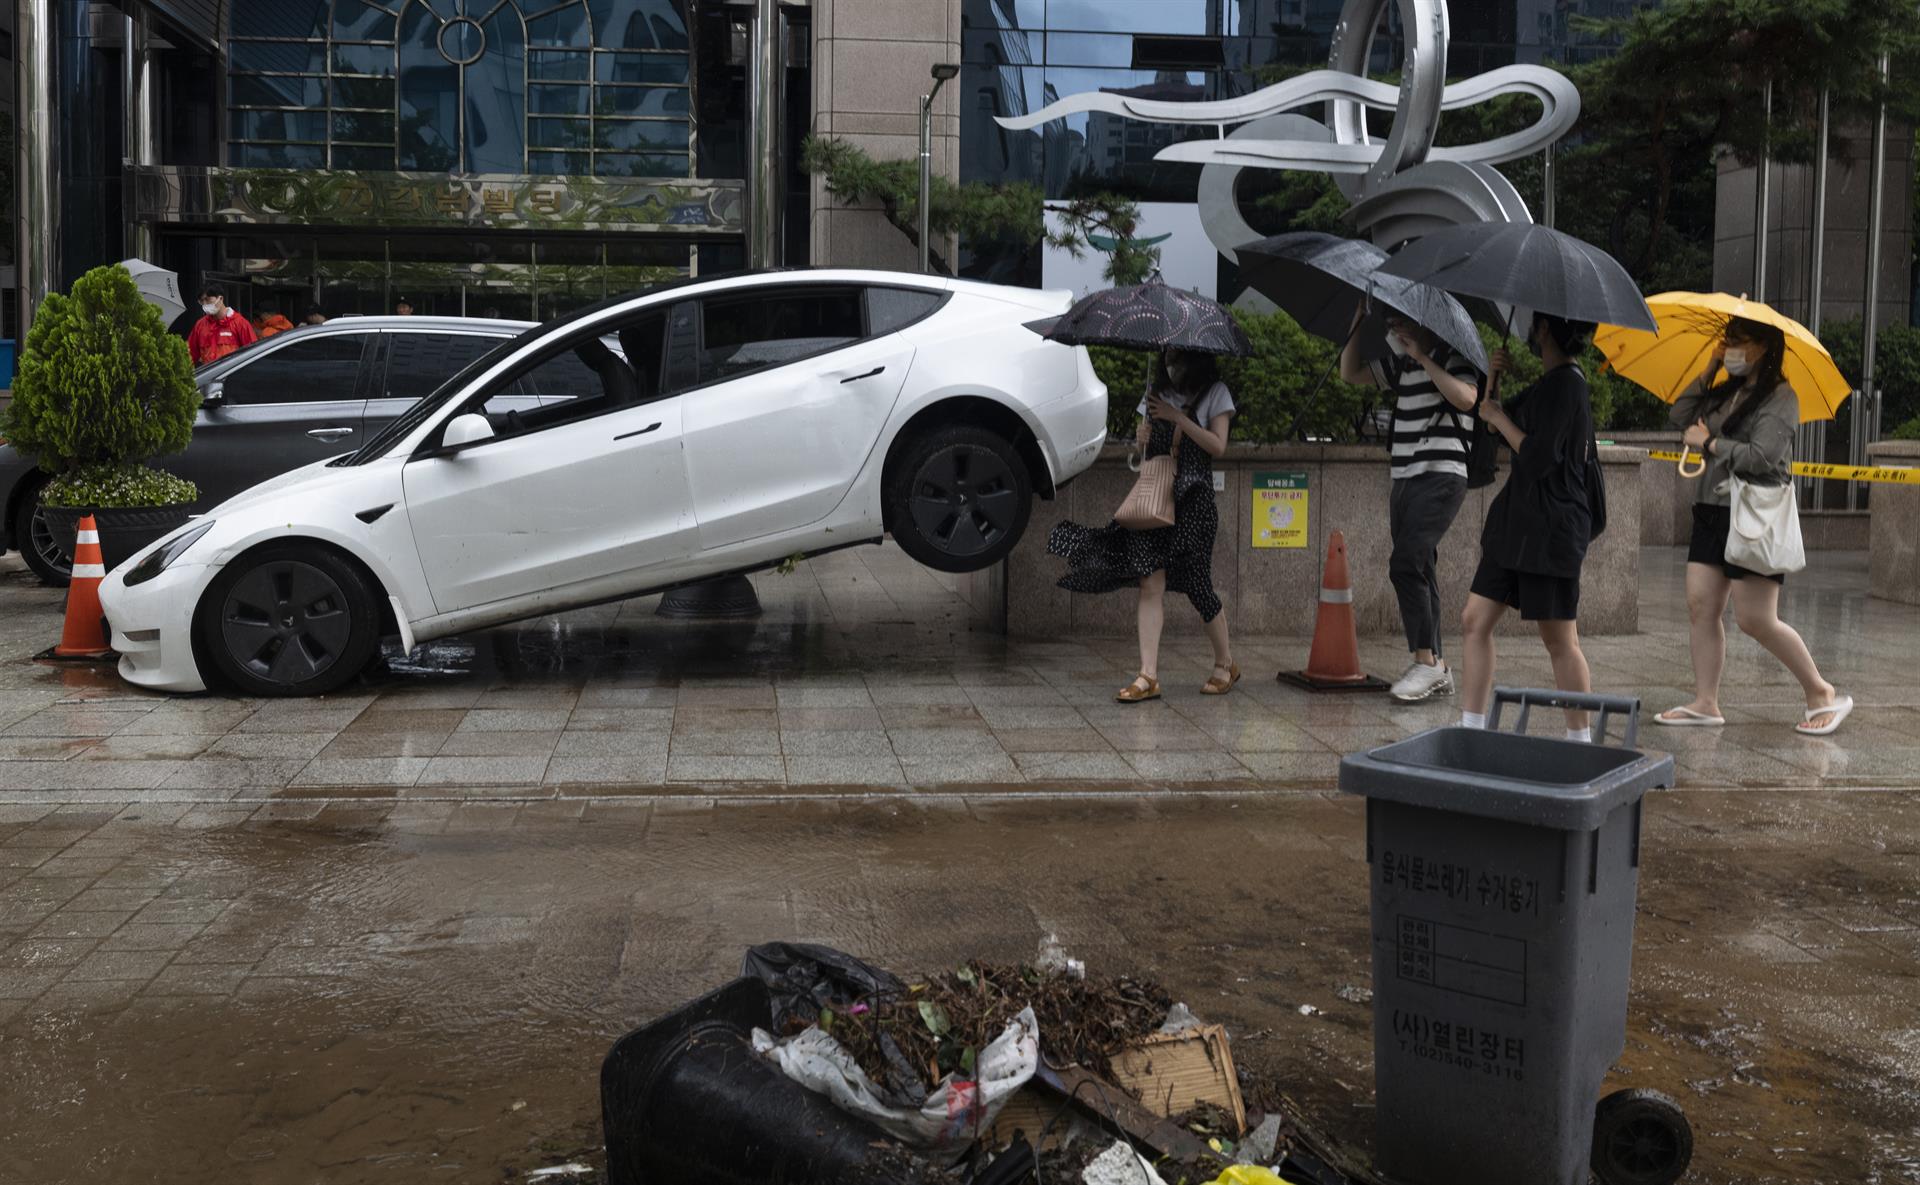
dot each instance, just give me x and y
(871, 63)
(1893, 566)
(1272, 591)
(985, 594)
(1666, 498)
(1790, 229)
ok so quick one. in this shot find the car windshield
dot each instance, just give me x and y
(403, 424)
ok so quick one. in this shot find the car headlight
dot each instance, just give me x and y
(161, 557)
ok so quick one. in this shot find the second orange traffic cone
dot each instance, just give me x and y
(85, 634)
(1334, 662)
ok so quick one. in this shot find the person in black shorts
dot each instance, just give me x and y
(1540, 523)
(1743, 426)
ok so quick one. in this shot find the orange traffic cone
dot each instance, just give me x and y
(85, 634)
(1334, 662)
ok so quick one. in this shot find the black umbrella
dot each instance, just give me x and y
(1525, 264)
(1320, 279)
(1149, 316)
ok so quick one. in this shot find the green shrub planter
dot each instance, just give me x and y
(124, 530)
(102, 389)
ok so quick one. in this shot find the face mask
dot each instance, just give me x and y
(1397, 344)
(1738, 362)
(1538, 350)
(208, 309)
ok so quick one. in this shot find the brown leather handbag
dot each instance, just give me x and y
(1149, 505)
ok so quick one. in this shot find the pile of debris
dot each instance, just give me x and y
(988, 1074)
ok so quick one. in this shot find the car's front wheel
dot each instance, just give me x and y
(289, 620)
(958, 498)
(35, 539)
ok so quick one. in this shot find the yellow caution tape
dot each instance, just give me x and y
(1905, 477)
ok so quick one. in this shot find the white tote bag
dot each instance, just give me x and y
(1764, 535)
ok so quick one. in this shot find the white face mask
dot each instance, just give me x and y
(1738, 361)
(209, 309)
(1397, 344)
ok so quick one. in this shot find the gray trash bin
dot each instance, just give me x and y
(1504, 870)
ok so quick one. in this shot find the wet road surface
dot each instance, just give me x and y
(368, 991)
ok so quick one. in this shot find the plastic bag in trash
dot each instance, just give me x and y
(1120, 1165)
(950, 1118)
(803, 978)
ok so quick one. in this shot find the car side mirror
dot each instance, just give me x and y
(214, 395)
(466, 429)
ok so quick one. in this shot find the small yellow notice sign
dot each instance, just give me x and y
(1280, 509)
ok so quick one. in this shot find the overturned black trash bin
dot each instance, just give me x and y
(1504, 871)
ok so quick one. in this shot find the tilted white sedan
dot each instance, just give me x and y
(692, 431)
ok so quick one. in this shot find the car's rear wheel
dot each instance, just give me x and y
(289, 620)
(958, 498)
(35, 540)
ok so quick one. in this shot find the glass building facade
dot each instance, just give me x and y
(463, 86)
(507, 157)
(1020, 55)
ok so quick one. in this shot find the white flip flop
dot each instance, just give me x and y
(1841, 707)
(1688, 718)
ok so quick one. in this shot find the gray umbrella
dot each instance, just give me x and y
(1320, 279)
(1522, 263)
(1149, 316)
(158, 287)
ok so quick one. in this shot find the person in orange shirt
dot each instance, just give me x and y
(271, 321)
(220, 332)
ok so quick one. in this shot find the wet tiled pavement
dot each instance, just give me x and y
(388, 935)
(400, 991)
(864, 676)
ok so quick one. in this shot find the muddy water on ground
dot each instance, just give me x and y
(414, 1006)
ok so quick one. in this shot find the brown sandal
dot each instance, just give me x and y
(1140, 690)
(1216, 687)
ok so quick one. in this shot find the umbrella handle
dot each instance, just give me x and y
(1133, 460)
(1685, 453)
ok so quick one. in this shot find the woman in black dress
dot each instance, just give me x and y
(1186, 394)
(1540, 523)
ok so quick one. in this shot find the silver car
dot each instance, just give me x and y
(286, 401)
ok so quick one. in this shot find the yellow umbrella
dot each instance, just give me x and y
(1691, 325)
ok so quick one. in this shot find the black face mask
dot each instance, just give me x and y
(1533, 344)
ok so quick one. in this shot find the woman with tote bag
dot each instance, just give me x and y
(1162, 536)
(1746, 534)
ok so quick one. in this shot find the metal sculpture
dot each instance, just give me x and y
(1401, 189)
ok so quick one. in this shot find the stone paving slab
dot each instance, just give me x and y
(865, 675)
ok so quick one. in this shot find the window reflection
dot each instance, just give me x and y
(476, 86)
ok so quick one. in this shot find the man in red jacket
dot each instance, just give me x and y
(221, 332)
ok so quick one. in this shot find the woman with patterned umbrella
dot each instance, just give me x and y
(1186, 413)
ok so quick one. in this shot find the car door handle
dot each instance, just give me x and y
(878, 370)
(638, 431)
(329, 433)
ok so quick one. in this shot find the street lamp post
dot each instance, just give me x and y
(941, 72)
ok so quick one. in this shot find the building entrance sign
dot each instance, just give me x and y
(389, 200)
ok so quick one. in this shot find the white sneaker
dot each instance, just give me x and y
(1423, 682)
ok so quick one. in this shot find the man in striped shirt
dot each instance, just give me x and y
(1435, 392)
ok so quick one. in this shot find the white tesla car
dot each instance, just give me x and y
(698, 430)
